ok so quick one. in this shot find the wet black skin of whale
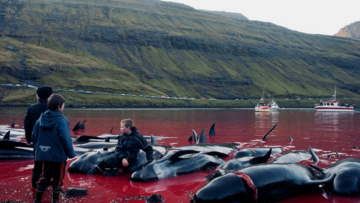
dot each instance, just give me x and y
(257, 151)
(347, 178)
(260, 183)
(87, 161)
(176, 163)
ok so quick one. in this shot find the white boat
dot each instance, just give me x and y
(334, 105)
(274, 106)
(262, 106)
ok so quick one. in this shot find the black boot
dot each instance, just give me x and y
(56, 194)
(34, 178)
(39, 193)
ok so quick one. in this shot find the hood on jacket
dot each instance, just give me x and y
(49, 119)
(133, 131)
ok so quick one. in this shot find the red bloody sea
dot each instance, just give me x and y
(321, 130)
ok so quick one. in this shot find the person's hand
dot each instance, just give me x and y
(28, 143)
(125, 163)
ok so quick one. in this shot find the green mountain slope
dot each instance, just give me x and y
(159, 48)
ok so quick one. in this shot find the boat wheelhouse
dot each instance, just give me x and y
(334, 105)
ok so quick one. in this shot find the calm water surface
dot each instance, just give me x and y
(322, 131)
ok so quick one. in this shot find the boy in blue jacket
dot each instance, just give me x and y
(52, 144)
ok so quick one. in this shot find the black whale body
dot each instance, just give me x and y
(257, 151)
(347, 178)
(292, 157)
(87, 161)
(175, 163)
(260, 183)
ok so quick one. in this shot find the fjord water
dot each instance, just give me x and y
(323, 131)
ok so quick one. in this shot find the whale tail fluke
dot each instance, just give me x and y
(313, 155)
(265, 136)
(7, 136)
(76, 127)
(82, 126)
(12, 124)
(212, 130)
(202, 136)
(111, 129)
(290, 138)
(153, 141)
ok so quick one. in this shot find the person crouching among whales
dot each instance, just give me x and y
(52, 144)
(129, 144)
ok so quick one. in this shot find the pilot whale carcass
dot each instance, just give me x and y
(89, 160)
(176, 163)
(347, 177)
(260, 183)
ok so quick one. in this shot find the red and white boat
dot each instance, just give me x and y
(334, 105)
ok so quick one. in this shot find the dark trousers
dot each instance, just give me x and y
(52, 173)
(112, 162)
(37, 167)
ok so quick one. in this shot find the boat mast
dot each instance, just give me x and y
(335, 94)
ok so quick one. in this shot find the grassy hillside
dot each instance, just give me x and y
(159, 48)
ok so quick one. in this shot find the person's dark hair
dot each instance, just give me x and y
(55, 101)
(44, 92)
(128, 122)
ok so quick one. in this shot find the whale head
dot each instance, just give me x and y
(227, 188)
(347, 182)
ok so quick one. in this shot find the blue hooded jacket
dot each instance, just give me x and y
(51, 138)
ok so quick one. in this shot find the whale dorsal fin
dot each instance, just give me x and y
(190, 138)
(290, 138)
(111, 129)
(265, 136)
(313, 155)
(202, 136)
(212, 130)
(12, 124)
(337, 154)
(107, 139)
(179, 153)
(195, 136)
(7, 136)
(153, 141)
(261, 159)
(353, 145)
(76, 127)
(82, 126)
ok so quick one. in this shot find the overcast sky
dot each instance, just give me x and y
(309, 16)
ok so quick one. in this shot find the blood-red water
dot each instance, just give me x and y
(322, 131)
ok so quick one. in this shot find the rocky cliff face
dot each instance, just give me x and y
(154, 47)
(350, 31)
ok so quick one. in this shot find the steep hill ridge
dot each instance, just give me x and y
(351, 31)
(162, 48)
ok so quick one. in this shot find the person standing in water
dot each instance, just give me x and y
(32, 115)
(52, 144)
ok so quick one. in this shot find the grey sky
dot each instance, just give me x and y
(309, 16)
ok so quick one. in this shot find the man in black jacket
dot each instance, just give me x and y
(32, 115)
(126, 152)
